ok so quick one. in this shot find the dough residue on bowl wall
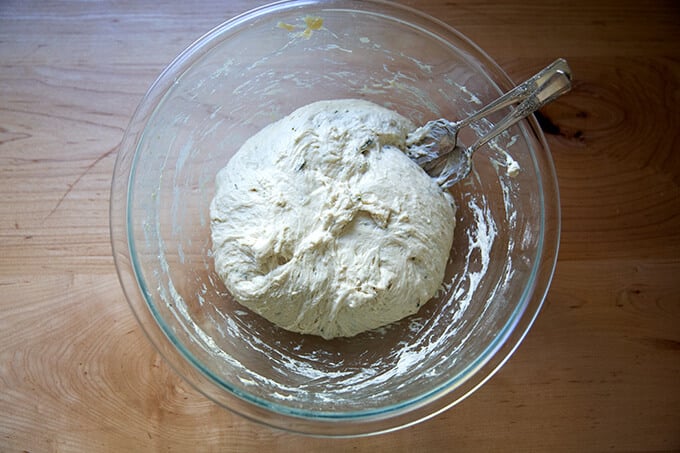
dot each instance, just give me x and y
(329, 377)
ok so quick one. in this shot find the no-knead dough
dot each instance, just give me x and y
(322, 225)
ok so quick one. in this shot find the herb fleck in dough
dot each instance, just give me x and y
(322, 225)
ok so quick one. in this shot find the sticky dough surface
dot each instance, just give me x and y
(322, 225)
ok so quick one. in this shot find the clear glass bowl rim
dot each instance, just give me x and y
(306, 422)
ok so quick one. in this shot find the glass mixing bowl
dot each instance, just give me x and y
(255, 69)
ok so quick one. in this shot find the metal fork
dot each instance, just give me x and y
(434, 146)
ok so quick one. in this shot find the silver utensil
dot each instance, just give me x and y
(434, 146)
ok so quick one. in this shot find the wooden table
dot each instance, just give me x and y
(600, 370)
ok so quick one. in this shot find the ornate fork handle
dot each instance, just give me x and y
(545, 87)
(521, 92)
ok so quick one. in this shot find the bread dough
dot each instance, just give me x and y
(322, 225)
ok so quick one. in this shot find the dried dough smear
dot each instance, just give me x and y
(322, 225)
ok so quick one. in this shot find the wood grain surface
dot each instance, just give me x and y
(600, 370)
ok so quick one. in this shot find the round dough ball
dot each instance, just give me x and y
(322, 225)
